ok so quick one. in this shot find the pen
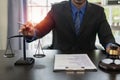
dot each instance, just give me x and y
(20, 23)
(27, 28)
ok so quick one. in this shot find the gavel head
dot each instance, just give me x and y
(114, 53)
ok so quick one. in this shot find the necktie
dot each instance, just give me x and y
(77, 22)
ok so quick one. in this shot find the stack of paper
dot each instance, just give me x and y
(73, 62)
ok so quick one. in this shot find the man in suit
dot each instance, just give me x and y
(62, 20)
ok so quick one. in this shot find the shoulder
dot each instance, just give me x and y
(95, 6)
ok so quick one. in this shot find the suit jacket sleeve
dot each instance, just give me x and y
(46, 25)
(104, 32)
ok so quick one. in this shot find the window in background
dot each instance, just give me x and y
(116, 14)
(95, 1)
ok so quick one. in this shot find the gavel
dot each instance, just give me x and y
(114, 53)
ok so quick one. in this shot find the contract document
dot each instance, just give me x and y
(73, 62)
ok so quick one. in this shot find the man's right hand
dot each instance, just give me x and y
(27, 29)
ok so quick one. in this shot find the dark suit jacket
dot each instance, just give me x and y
(59, 19)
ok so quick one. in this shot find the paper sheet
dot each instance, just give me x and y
(73, 62)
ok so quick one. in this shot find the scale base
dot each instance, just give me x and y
(27, 61)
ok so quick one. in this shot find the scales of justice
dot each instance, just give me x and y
(112, 61)
(23, 60)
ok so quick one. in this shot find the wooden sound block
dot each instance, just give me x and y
(110, 64)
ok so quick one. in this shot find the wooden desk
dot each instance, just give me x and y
(42, 69)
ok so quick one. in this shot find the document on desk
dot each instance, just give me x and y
(73, 62)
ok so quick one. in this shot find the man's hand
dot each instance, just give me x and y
(109, 47)
(27, 29)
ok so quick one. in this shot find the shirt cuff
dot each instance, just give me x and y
(108, 45)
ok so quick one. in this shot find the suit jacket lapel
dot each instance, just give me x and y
(85, 20)
(68, 13)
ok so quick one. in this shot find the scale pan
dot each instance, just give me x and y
(9, 55)
(39, 55)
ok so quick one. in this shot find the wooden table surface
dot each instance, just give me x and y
(42, 69)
